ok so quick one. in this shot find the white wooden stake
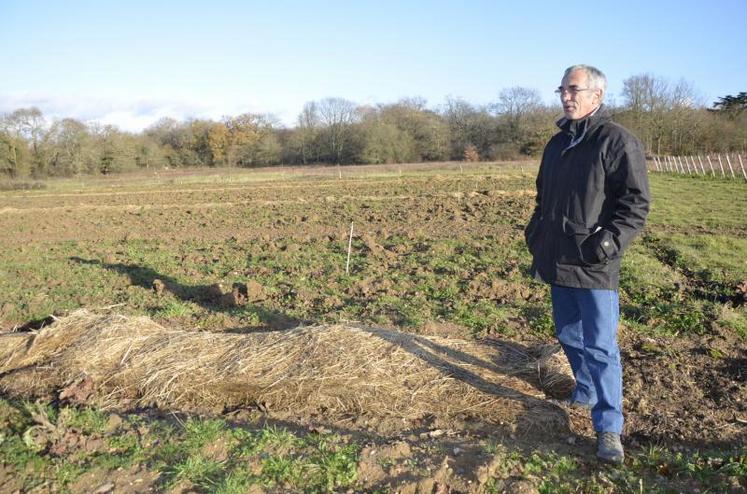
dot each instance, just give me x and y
(708, 157)
(679, 158)
(350, 246)
(656, 164)
(701, 165)
(695, 167)
(744, 174)
(723, 173)
(689, 172)
(730, 168)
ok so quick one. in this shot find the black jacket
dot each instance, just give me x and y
(592, 199)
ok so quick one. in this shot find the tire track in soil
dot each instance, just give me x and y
(250, 186)
(229, 204)
(696, 286)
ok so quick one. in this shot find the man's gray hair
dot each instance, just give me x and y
(597, 79)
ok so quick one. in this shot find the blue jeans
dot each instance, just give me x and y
(586, 327)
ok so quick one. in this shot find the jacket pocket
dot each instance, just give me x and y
(600, 247)
(581, 245)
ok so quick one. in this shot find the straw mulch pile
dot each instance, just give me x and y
(554, 371)
(337, 371)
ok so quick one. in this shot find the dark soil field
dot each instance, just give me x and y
(437, 276)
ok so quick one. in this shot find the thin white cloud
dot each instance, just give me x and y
(127, 115)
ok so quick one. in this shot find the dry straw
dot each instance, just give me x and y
(338, 371)
(554, 371)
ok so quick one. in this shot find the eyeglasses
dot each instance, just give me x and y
(572, 90)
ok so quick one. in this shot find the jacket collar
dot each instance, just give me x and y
(601, 114)
(577, 129)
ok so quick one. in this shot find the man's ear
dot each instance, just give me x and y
(599, 93)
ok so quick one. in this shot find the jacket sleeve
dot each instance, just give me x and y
(630, 198)
(532, 228)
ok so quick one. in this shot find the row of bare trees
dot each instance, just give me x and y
(669, 118)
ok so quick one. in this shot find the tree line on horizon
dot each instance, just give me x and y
(667, 117)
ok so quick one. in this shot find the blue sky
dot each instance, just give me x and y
(129, 63)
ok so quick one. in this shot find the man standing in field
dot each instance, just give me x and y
(592, 199)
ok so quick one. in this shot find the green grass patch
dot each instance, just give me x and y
(693, 203)
(216, 456)
(654, 470)
(88, 420)
(717, 258)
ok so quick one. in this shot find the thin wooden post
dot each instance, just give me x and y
(656, 164)
(350, 245)
(701, 165)
(723, 173)
(669, 163)
(730, 168)
(679, 158)
(710, 165)
(708, 157)
(744, 174)
(695, 166)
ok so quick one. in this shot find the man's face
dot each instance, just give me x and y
(577, 97)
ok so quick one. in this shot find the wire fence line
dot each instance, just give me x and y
(724, 165)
